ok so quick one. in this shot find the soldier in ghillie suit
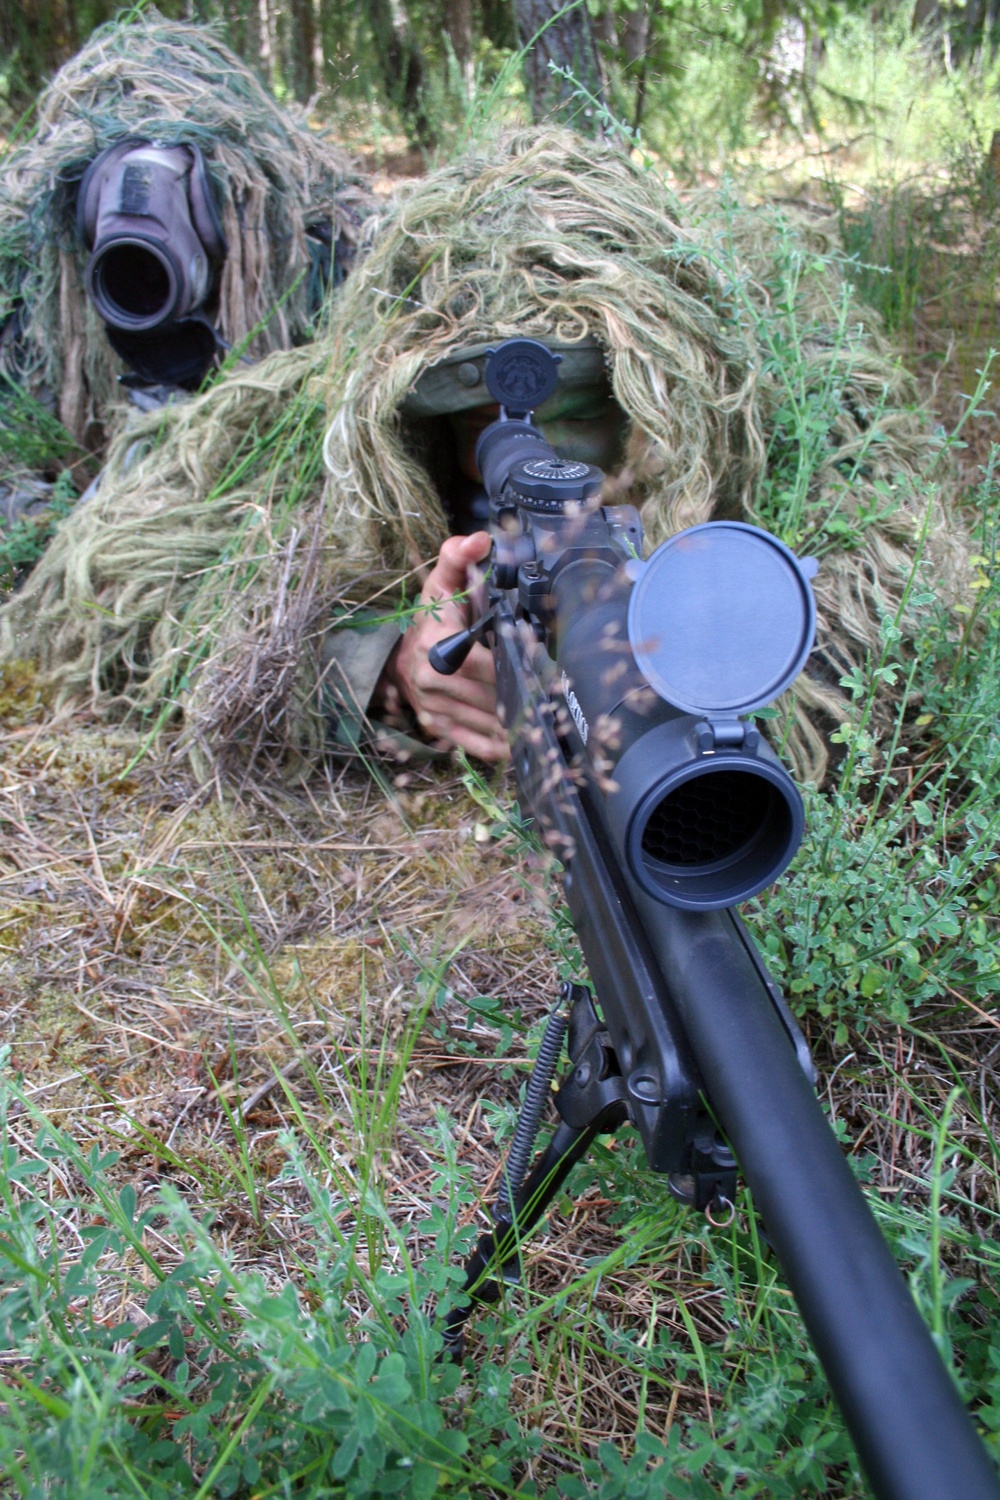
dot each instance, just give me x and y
(716, 348)
(164, 211)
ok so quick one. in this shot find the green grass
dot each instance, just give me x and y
(152, 1352)
(22, 544)
(32, 444)
(219, 1382)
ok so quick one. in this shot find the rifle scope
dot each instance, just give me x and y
(657, 662)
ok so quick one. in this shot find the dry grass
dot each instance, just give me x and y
(168, 962)
(163, 955)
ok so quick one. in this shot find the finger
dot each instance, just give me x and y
(478, 666)
(483, 747)
(447, 705)
(440, 615)
(444, 722)
(477, 687)
(475, 681)
(450, 574)
(478, 546)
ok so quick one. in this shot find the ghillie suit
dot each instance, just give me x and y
(753, 387)
(286, 202)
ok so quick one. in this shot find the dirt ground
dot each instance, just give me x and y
(170, 963)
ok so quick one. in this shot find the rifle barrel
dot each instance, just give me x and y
(912, 1432)
(684, 997)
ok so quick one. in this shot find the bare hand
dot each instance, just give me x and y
(460, 710)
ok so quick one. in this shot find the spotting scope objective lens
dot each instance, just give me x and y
(132, 285)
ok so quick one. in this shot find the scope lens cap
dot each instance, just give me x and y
(521, 374)
(722, 618)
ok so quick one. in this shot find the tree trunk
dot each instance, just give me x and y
(458, 25)
(567, 42)
(268, 43)
(243, 32)
(636, 38)
(300, 40)
(605, 26)
(401, 65)
(636, 45)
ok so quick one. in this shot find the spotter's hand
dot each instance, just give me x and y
(461, 710)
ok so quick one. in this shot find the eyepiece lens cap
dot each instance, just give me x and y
(521, 374)
(722, 618)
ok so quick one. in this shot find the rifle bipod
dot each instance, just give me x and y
(592, 1101)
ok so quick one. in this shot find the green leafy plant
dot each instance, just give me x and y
(29, 432)
(892, 901)
(22, 544)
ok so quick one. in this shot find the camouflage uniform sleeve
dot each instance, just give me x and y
(353, 658)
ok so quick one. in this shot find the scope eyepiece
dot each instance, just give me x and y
(504, 445)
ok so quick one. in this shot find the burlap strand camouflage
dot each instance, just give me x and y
(206, 578)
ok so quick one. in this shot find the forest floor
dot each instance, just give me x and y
(189, 986)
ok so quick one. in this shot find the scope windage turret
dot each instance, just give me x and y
(147, 212)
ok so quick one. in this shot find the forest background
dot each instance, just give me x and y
(265, 1047)
(416, 64)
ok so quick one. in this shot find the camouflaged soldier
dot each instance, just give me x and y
(165, 212)
(379, 682)
(669, 317)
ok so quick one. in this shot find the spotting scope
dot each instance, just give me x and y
(147, 213)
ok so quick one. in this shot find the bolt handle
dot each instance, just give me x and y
(448, 655)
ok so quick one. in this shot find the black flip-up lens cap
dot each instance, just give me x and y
(722, 618)
(521, 374)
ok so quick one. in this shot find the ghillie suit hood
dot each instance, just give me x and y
(753, 385)
(272, 179)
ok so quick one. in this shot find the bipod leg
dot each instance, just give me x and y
(591, 1103)
(499, 1250)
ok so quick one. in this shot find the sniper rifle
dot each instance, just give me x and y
(625, 688)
